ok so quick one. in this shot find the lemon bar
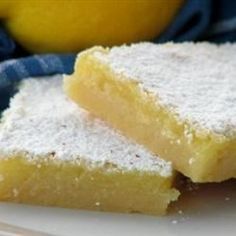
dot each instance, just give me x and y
(178, 100)
(54, 153)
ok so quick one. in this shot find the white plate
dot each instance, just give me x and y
(208, 210)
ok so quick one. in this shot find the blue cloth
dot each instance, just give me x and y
(7, 45)
(191, 22)
(208, 20)
(213, 20)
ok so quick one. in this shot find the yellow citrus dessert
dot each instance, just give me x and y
(176, 99)
(69, 26)
(54, 153)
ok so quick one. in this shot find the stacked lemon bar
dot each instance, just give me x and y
(54, 153)
(178, 100)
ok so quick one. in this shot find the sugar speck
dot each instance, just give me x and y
(191, 161)
(76, 179)
(178, 141)
(1, 178)
(15, 192)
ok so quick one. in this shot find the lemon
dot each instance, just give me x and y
(71, 25)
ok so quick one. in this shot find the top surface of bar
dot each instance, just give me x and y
(196, 81)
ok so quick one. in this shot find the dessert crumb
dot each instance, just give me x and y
(174, 222)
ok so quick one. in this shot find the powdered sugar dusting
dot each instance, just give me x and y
(43, 121)
(196, 81)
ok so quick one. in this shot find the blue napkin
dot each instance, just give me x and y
(208, 20)
(213, 20)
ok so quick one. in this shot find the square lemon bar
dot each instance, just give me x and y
(54, 153)
(179, 100)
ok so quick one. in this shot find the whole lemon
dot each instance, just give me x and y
(72, 25)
